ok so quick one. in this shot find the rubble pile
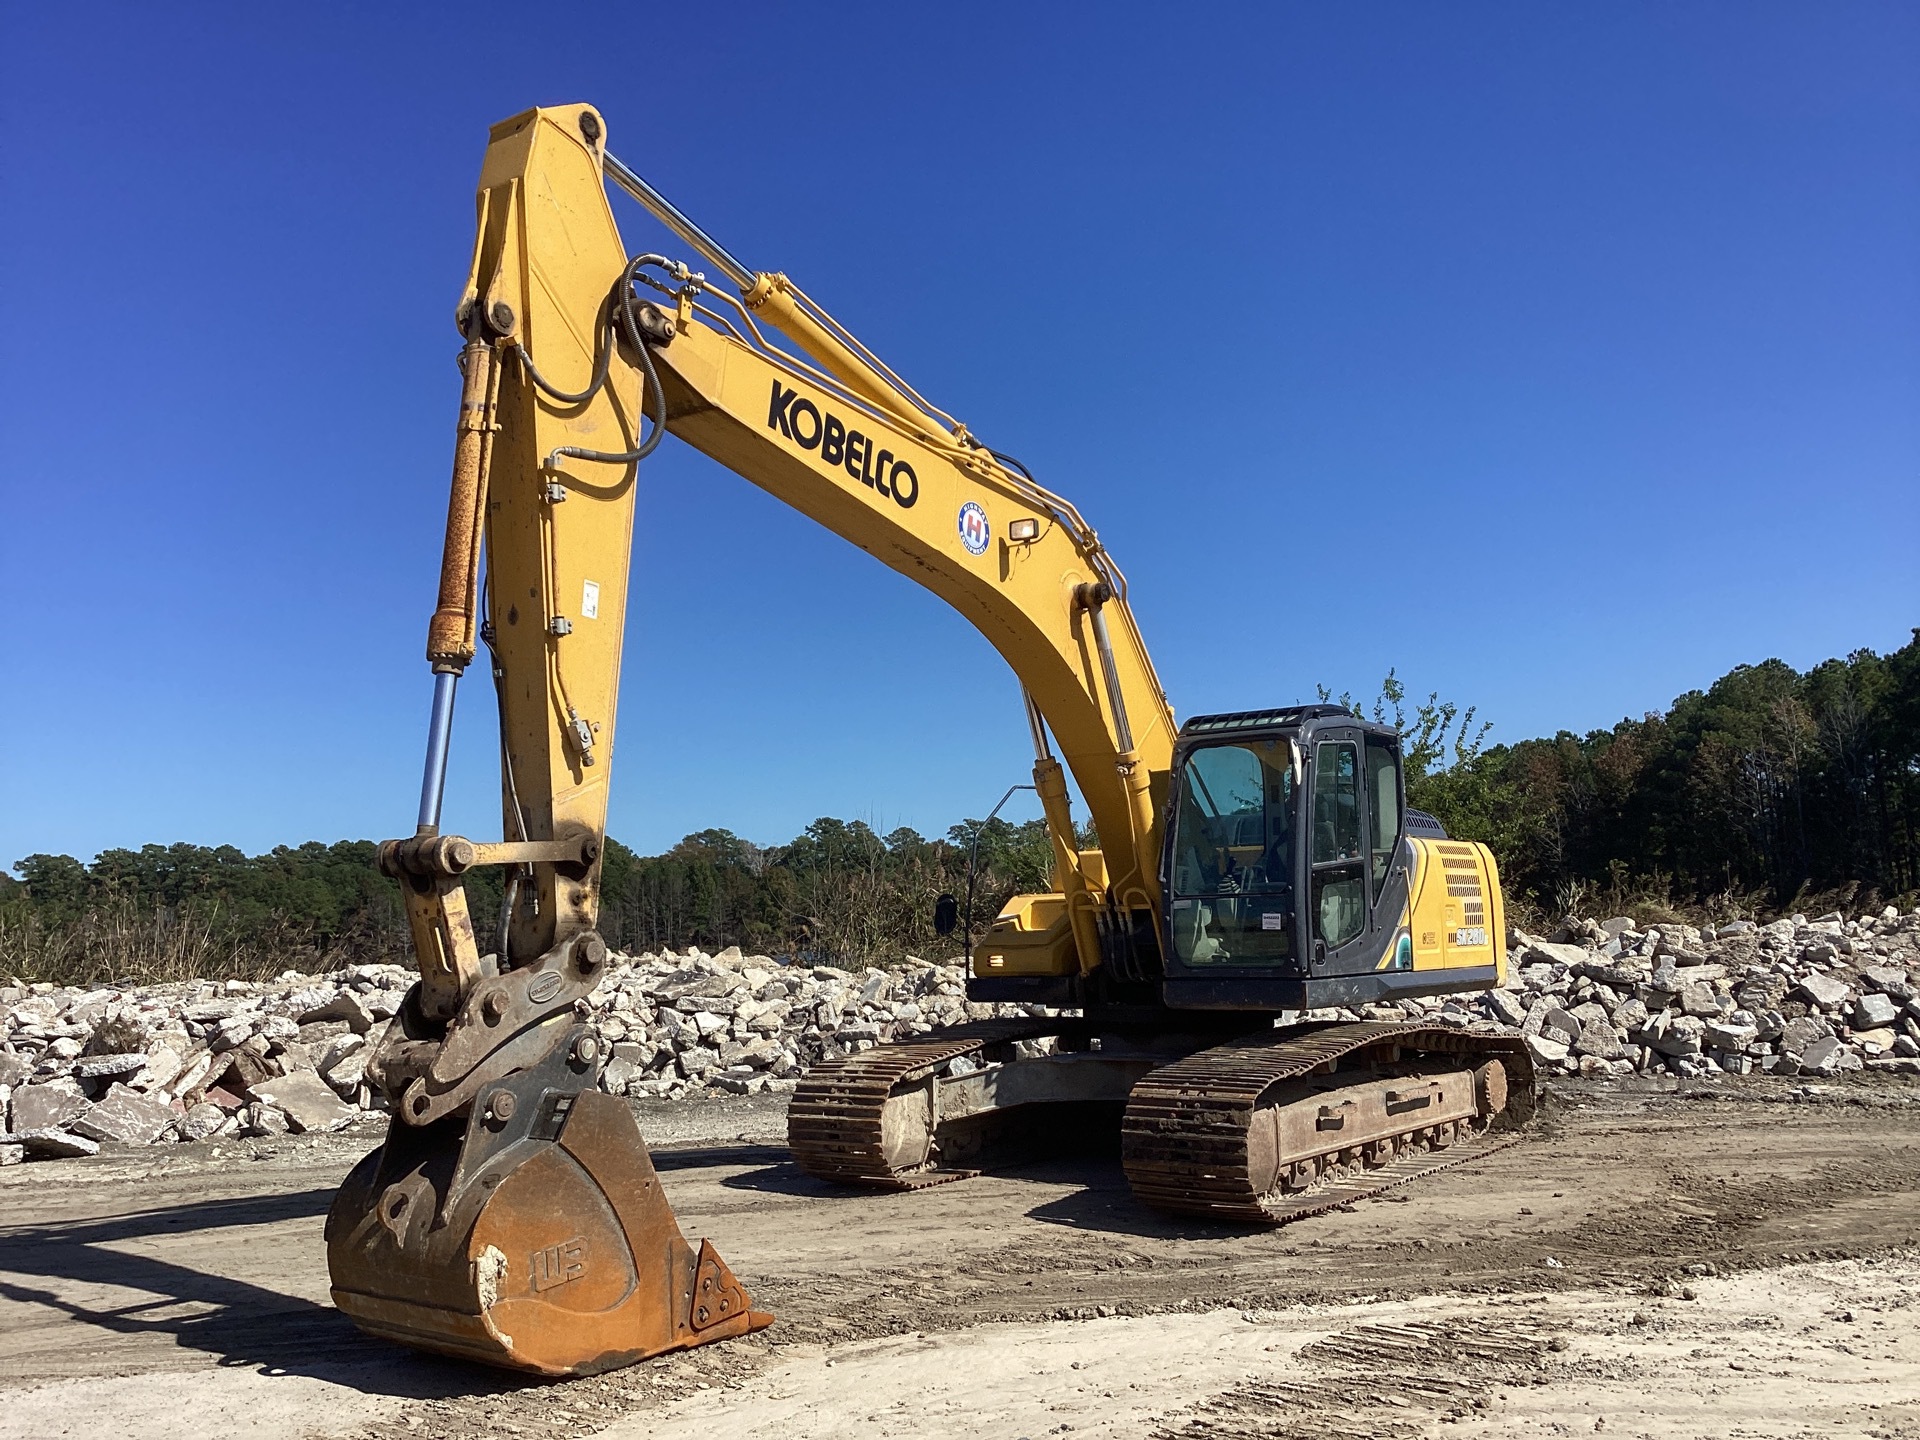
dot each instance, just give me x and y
(1796, 997)
(143, 1064)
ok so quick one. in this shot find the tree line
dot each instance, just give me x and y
(1768, 785)
(838, 893)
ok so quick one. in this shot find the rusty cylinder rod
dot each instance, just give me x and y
(450, 634)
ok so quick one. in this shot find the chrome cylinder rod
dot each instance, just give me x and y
(1093, 597)
(668, 214)
(1037, 724)
(433, 783)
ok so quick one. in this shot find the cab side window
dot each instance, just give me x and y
(1339, 886)
(1383, 805)
(1336, 804)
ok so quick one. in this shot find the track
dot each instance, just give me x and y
(1185, 1138)
(834, 1125)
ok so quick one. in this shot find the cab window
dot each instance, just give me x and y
(1232, 870)
(1336, 803)
(1339, 884)
(1383, 809)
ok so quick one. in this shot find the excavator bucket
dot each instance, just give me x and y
(532, 1235)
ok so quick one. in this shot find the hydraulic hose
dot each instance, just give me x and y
(623, 301)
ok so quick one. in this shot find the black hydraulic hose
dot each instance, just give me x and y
(973, 857)
(630, 322)
(601, 362)
(647, 446)
(510, 893)
(623, 298)
(1010, 463)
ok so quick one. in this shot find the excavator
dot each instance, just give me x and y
(1254, 870)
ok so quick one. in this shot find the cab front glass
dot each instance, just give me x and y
(1232, 869)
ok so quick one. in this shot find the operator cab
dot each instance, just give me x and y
(1284, 858)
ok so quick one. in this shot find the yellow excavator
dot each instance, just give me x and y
(1254, 869)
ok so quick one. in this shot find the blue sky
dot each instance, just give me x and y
(1562, 357)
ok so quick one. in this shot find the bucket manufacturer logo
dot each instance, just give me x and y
(974, 530)
(812, 428)
(560, 1264)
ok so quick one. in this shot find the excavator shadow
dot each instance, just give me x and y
(82, 1270)
(1103, 1203)
(783, 1177)
(700, 1157)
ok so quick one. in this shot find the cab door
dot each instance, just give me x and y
(1356, 883)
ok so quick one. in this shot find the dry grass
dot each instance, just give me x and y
(1650, 900)
(115, 943)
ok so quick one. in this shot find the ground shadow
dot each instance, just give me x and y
(696, 1157)
(240, 1323)
(1105, 1203)
(786, 1178)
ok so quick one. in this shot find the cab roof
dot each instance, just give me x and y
(1262, 719)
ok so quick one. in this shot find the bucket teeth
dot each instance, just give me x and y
(541, 1244)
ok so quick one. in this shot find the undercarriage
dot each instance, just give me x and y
(1257, 1125)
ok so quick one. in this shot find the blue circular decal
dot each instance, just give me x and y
(974, 530)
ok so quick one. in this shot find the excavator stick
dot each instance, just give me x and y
(532, 1235)
(513, 1215)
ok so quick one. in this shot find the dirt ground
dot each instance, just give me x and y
(1734, 1260)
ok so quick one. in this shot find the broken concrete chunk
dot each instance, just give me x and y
(51, 1144)
(1828, 1057)
(309, 1102)
(46, 1107)
(125, 1117)
(163, 1067)
(1698, 998)
(232, 1031)
(618, 1074)
(345, 1006)
(1725, 1035)
(336, 1050)
(193, 1075)
(348, 1073)
(1680, 1037)
(1547, 1050)
(1599, 1040)
(1797, 1035)
(246, 1070)
(202, 1121)
(1504, 1004)
(1826, 991)
(99, 1067)
(1873, 1012)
